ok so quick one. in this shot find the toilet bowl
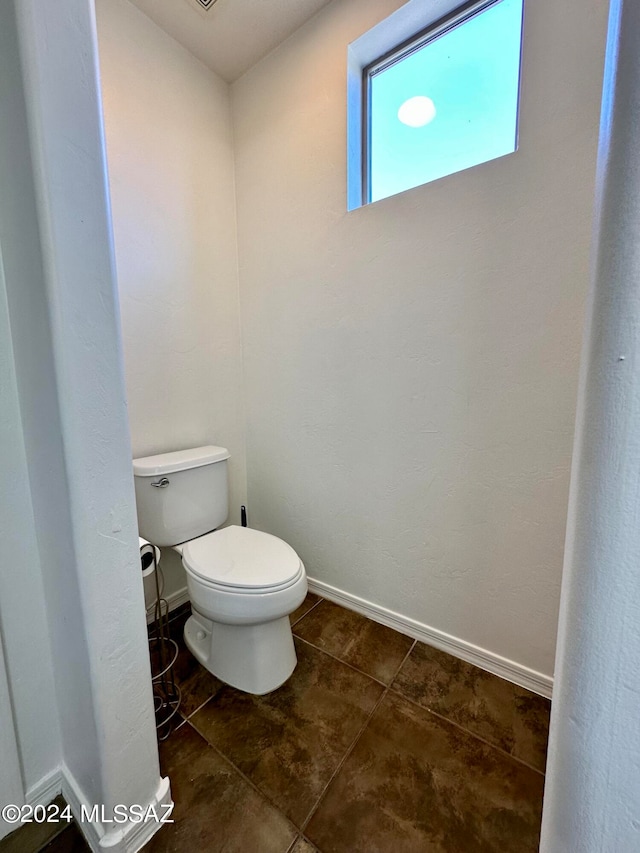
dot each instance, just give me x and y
(242, 583)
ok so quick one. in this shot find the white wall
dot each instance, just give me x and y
(58, 265)
(23, 625)
(411, 366)
(23, 622)
(11, 786)
(171, 171)
(43, 455)
(23, 619)
(592, 784)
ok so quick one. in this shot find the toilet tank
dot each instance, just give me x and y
(181, 495)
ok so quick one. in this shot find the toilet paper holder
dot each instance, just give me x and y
(163, 651)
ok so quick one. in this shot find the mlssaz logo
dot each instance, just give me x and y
(160, 813)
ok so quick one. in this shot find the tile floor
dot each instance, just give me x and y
(377, 744)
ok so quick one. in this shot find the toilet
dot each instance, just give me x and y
(243, 583)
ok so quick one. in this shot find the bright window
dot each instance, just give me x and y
(444, 101)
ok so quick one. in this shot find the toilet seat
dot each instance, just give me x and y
(242, 559)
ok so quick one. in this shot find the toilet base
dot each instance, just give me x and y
(254, 658)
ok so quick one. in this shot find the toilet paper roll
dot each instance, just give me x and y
(146, 556)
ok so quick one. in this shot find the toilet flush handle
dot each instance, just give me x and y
(161, 484)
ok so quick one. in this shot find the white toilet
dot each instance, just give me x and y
(243, 583)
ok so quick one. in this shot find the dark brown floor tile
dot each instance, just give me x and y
(417, 784)
(310, 601)
(289, 742)
(31, 837)
(71, 840)
(509, 716)
(360, 642)
(216, 809)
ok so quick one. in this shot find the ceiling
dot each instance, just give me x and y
(233, 34)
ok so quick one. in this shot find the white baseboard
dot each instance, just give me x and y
(74, 796)
(132, 837)
(129, 837)
(538, 682)
(180, 596)
(46, 790)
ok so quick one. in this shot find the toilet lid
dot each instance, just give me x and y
(241, 557)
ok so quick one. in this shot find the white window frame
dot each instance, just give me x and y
(410, 28)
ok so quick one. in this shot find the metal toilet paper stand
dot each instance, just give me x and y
(163, 651)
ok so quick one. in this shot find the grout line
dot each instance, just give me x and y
(295, 841)
(250, 782)
(309, 841)
(468, 732)
(200, 707)
(183, 720)
(404, 660)
(387, 687)
(307, 612)
(354, 668)
(360, 732)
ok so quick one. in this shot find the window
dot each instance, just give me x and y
(442, 101)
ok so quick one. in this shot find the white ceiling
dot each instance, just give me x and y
(234, 34)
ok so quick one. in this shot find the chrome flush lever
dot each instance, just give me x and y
(161, 484)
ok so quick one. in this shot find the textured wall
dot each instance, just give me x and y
(169, 146)
(411, 367)
(65, 328)
(593, 769)
(24, 350)
(23, 623)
